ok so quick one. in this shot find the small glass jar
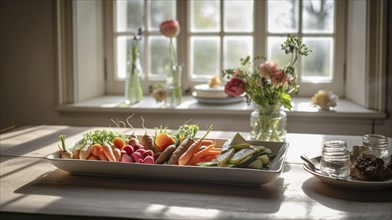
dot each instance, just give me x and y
(335, 161)
(377, 145)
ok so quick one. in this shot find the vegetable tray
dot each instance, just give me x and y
(220, 175)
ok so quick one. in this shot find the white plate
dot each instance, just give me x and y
(204, 91)
(217, 101)
(222, 175)
(349, 183)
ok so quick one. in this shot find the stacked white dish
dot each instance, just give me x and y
(213, 95)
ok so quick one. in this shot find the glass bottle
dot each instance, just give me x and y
(377, 145)
(133, 86)
(173, 86)
(268, 123)
(335, 160)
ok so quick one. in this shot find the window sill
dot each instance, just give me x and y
(347, 118)
(301, 107)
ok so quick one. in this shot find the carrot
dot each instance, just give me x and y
(102, 155)
(185, 157)
(184, 145)
(207, 159)
(96, 150)
(117, 153)
(119, 142)
(92, 157)
(199, 154)
(108, 151)
(164, 140)
(207, 142)
(147, 141)
(165, 155)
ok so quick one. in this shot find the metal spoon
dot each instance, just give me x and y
(309, 162)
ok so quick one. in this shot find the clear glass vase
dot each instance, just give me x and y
(268, 123)
(173, 86)
(133, 86)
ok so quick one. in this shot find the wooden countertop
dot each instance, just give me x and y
(31, 187)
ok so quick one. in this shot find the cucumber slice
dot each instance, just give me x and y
(208, 164)
(238, 139)
(226, 146)
(241, 146)
(223, 158)
(256, 164)
(241, 155)
(264, 159)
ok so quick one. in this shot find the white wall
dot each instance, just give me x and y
(356, 52)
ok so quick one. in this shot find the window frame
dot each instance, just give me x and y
(114, 86)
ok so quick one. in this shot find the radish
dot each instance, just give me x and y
(149, 160)
(129, 149)
(125, 158)
(137, 155)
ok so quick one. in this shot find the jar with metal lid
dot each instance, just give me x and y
(335, 160)
(377, 145)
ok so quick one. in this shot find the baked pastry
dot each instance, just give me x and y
(370, 168)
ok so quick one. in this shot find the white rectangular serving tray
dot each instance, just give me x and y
(221, 175)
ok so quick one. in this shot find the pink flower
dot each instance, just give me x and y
(235, 87)
(170, 28)
(267, 67)
(278, 78)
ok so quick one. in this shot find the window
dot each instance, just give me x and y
(215, 34)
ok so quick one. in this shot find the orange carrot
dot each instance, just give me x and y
(185, 157)
(207, 142)
(117, 153)
(164, 140)
(108, 151)
(96, 150)
(119, 142)
(92, 157)
(102, 155)
(199, 154)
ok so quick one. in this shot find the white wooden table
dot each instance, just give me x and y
(32, 188)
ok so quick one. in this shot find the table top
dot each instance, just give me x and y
(31, 186)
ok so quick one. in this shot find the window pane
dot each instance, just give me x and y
(318, 16)
(236, 48)
(282, 16)
(238, 16)
(161, 11)
(159, 55)
(275, 52)
(318, 66)
(129, 15)
(205, 16)
(204, 56)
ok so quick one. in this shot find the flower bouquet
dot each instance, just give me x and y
(268, 87)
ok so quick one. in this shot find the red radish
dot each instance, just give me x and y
(125, 158)
(149, 160)
(139, 160)
(142, 151)
(137, 146)
(129, 149)
(123, 152)
(148, 153)
(137, 155)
